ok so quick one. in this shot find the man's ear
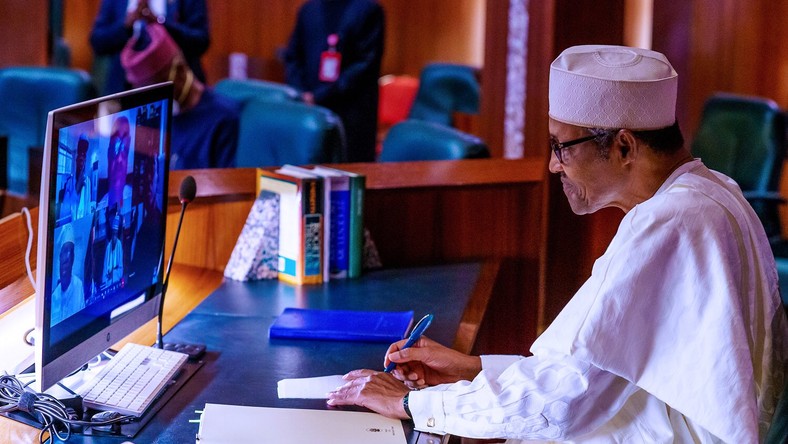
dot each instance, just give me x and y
(627, 145)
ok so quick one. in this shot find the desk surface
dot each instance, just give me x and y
(243, 365)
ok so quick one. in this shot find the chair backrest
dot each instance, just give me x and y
(27, 95)
(778, 431)
(420, 140)
(444, 89)
(244, 90)
(275, 133)
(744, 138)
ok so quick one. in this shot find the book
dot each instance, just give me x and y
(339, 214)
(341, 325)
(300, 252)
(328, 219)
(226, 424)
(357, 186)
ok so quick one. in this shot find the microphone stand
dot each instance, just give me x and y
(187, 193)
(159, 341)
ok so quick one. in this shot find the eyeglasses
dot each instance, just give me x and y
(558, 147)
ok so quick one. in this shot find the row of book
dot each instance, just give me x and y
(320, 221)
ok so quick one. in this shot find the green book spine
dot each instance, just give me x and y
(356, 241)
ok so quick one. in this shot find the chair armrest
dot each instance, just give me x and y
(773, 196)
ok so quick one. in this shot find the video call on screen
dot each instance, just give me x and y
(109, 194)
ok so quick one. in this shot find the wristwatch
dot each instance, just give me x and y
(405, 405)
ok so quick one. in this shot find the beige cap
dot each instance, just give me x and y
(598, 86)
(66, 235)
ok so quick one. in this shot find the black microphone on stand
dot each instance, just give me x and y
(186, 195)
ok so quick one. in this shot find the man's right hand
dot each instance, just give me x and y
(429, 363)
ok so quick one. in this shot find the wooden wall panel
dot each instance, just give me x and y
(23, 32)
(78, 17)
(417, 33)
(740, 47)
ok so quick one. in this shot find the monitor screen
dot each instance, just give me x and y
(101, 225)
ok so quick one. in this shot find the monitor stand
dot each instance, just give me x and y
(129, 429)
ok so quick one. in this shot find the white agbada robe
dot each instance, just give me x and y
(66, 303)
(679, 335)
(113, 261)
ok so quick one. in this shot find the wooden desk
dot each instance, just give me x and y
(418, 213)
(242, 364)
(188, 287)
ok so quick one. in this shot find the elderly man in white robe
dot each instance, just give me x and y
(68, 297)
(678, 336)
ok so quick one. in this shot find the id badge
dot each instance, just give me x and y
(330, 62)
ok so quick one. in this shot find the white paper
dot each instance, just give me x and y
(309, 388)
(230, 424)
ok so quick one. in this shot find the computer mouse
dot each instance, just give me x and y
(105, 416)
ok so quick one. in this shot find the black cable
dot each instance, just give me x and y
(54, 416)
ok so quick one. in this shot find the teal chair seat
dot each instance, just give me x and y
(276, 133)
(27, 95)
(420, 140)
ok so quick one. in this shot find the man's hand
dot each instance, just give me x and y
(377, 391)
(428, 363)
(142, 12)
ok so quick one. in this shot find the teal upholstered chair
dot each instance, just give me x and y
(444, 89)
(744, 138)
(420, 140)
(27, 95)
(243, 90)
(778, 431)
(274, 133)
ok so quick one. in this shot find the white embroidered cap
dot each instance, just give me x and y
(598, 86)
(66, 235)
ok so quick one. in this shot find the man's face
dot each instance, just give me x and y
(66, 264)
(590, 181)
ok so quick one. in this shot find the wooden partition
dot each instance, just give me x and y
(14, 283)
(417, 213)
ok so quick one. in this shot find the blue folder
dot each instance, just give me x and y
(341, 325)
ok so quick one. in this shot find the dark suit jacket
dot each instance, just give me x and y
(186, 21)
(354, 96)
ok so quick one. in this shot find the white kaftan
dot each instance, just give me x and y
(678, 336)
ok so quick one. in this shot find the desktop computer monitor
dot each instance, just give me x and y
(101, 226)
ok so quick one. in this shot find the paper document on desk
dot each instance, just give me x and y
(231, 424)
(309, 388)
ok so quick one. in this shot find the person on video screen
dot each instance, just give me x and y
(118, 160)
(113, 256)
(83, 186)
(68, 297)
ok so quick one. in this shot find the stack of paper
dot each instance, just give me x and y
(231, 424)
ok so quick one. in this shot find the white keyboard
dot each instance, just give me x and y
(132, 379)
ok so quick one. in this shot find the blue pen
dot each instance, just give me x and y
(415, 334)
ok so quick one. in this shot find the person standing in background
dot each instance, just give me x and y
(333, 57)
(204, 124)
(186, 22)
